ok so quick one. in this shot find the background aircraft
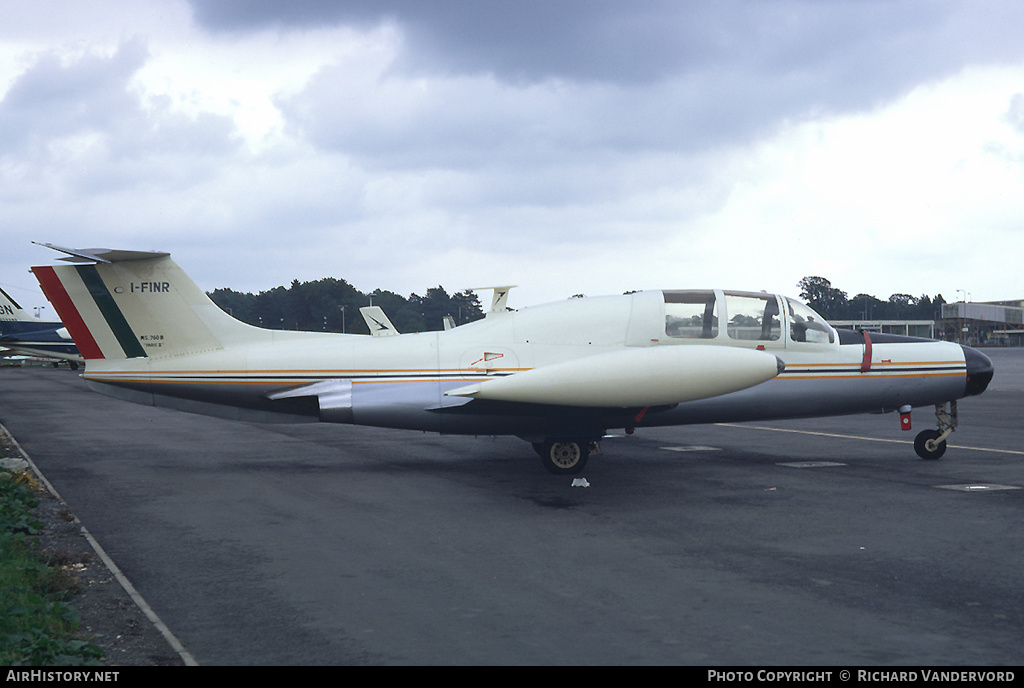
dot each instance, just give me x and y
(378, 323)
(25, 335)
(558, 375)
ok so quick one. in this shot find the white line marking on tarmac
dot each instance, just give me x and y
(978, 487)
(867, 439)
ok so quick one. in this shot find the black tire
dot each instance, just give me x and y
(922, 441)
(565, 457)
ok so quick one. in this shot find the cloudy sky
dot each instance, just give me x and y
(566, 146)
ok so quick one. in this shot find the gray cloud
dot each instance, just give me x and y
(891, 43)
(82, 154)
(661, 74)
(1015, 113)
(80, 121)
(53, 98)
(469, 138)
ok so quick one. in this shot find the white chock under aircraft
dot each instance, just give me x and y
(558, 375)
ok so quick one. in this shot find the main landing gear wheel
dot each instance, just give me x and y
(564, 458)
(927, 446)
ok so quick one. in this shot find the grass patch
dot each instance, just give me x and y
(37, 625)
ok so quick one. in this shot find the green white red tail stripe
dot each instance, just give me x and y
(73, 290)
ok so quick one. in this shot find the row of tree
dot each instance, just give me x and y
(332, 305)
(833, 304)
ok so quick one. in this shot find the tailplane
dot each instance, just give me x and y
(136, 304)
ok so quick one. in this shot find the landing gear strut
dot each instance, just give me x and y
(931, 444)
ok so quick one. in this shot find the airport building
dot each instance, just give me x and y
(997, 323)
(911, 328)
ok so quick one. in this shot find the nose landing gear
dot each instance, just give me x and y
(931, 444)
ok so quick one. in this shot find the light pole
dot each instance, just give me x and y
(961, 312)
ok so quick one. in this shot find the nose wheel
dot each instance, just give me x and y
(931, 444)
(928, 445)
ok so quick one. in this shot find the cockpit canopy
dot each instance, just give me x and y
(747, 316)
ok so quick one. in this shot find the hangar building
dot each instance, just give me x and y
(995, 323)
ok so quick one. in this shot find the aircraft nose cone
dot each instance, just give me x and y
(979, 371)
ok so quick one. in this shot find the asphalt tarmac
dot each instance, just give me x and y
(811, 542)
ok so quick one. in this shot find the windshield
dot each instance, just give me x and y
(807, 326)
(745, 317)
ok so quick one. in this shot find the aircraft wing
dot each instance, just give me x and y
(50, 343)
(25, 335)
(633, 377)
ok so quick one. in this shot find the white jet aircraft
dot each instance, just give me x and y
(23, 334)
(558, 375)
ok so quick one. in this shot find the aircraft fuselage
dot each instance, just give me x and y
(402, 381)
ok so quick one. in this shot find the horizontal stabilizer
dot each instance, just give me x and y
(103, 255)
(651, 376)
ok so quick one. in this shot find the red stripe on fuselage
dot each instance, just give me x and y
(69, 315)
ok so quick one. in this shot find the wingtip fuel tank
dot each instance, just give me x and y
(633, 377)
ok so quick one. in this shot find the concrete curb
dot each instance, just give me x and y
(175, 644)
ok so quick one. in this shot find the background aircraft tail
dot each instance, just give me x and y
(136, 304)
(10, 311)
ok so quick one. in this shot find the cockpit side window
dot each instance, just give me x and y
(753, 316)
(691, 314)
(807, 326)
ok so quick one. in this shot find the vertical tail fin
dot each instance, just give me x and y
(377, 321)
(11, 311)
(135, 304)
